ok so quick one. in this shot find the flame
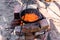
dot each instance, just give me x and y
(30, 17)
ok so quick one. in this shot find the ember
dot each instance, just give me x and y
(30, 17)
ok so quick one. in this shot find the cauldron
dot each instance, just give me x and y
(31, 11)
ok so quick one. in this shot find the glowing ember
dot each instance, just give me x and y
(30, 17)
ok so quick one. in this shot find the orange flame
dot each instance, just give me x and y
(30, 17)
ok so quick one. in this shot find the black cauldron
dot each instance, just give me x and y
(31, 11)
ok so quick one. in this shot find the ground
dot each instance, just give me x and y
(6, 13)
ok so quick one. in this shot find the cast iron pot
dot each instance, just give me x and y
(31, 11)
